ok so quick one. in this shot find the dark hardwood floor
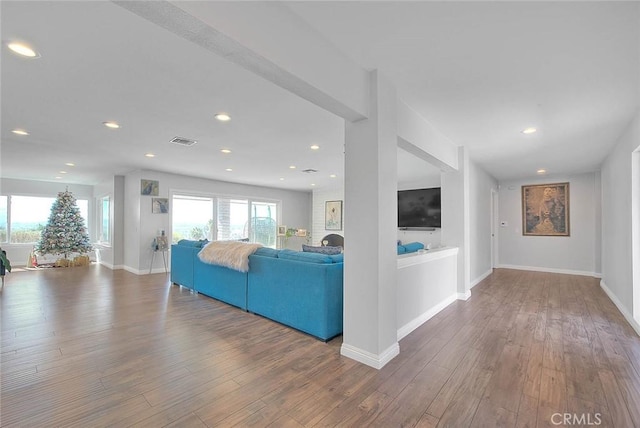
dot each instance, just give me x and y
(91, 347)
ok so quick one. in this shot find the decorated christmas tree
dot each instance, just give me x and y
(65, 233)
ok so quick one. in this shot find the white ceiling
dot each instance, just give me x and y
(480, 72)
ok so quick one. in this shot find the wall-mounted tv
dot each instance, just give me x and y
(419, 208)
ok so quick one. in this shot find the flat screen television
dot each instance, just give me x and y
(419, 208)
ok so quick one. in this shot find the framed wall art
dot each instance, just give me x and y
(149, 187)
(545, 210)
(160, 206)
(333, 215)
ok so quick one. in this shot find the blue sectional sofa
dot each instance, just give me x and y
(301, 290)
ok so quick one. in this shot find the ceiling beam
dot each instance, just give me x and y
(271, 41)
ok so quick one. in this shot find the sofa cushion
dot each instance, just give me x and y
(322, 250)
(412, 247)
(337, 258)
(192, 243)
(267, 252)
(301, 256)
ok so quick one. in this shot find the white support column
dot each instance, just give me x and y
(370, 270)
(456, 219)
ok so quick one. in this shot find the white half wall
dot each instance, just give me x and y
(574, 254)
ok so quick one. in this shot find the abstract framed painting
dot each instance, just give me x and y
(545, 210)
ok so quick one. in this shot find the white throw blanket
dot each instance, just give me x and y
(231, 254)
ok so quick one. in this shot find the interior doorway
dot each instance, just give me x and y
(494, 228)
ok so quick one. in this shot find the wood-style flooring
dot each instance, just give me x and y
(91, 347)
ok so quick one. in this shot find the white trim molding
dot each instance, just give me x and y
(421, 256)
(620, 307)
(418, 321)
(552, 270)
(464, 296)
(481, 278)
(372, 360)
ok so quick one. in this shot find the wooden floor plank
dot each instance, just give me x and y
(89, 346)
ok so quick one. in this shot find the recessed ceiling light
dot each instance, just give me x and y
(281, 178)
(313, 184)
(111, 124)
(62, 172)
(333, 176)
(70, 164)
(225, 151)
(542, 171)
(315, 147)
(229, 169)
(529, 130)
(150, 155)
(58, 178)
(292, 167)
(223, 117)
(23, 49)
(20, 131)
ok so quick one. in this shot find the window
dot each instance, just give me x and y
(192, 218)
(104, 214)
(263, 223)
(232, 219)
(236, 218)
(3, 218)
(28, 215)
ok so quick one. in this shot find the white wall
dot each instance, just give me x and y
(617, 261)
(18, 253)
(573, 254)
(112, 255)
(456, 218)
(427, 283)
(320, 196)
(141, 226)
(480, 186)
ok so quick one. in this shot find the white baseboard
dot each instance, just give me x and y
(366, 357)
(135, 271)
(421, 319)
(112, 267)
(551, 270)
(145, 271)
(464, 296)
(621, 308)
(481, 278)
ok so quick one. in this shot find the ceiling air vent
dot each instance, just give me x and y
(310, 170)
(183, 141)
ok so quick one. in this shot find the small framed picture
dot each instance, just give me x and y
(282, 230)
(160, 206)
(333, 215)
(301, 232)
(149, 187)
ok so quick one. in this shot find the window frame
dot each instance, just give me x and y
(100, 220)
(217, 196)
(10, 196)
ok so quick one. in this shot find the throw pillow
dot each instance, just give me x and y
(322, 250)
